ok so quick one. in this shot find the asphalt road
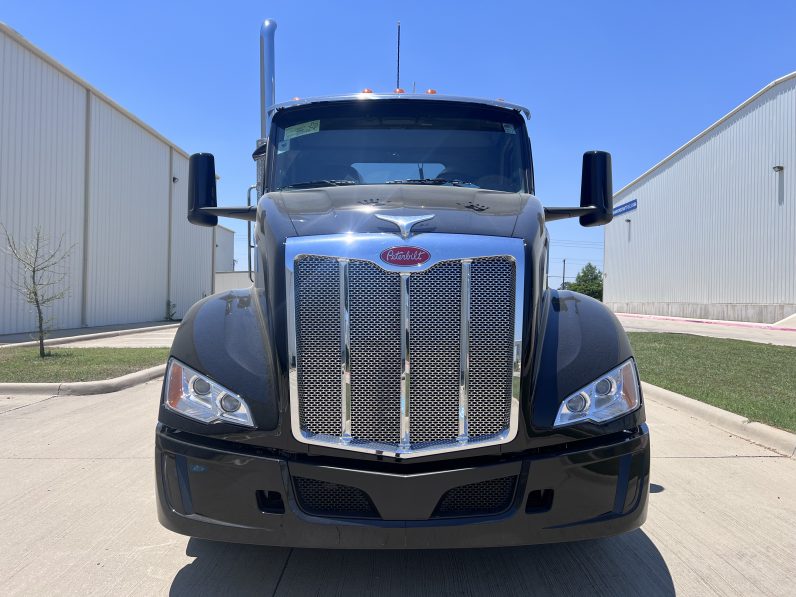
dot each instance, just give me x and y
(77, 516)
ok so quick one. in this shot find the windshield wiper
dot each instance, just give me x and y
(434, 181)
(317, 183)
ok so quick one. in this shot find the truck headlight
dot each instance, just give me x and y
(198, 397)
(610, 396)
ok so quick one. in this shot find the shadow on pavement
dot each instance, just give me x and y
(625, 565)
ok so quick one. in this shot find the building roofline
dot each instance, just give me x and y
(227, 228)
(18, 38)
(711, 128)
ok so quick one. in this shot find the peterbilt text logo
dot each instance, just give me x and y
(405, 256)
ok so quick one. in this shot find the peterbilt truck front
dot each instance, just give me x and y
(399, 375)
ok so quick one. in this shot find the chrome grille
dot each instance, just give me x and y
(400, 360)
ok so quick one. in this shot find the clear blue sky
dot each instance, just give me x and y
(632, 78)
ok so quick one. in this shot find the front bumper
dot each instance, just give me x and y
(583, 491)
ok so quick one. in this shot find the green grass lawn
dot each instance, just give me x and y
(757, 381)
(23, 365)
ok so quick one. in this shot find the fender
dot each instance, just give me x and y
(225, 336)
(581, 339)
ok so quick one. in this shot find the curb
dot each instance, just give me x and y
(85, 388)
(720, 322)
(96, 336)
(774, 439)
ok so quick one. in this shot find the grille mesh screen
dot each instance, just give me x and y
(435, 307)
(318, 344)
(374, 305)
(491, 345)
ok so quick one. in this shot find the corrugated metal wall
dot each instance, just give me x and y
(225, 250)
(42, 120)
(714, 234)
(188, 243)
(78, 165)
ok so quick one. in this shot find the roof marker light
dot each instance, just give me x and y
(296, 98)
(431, 91)
(399, 90)
(367, 90)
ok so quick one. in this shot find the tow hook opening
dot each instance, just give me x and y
(270, 502)
(539, 500)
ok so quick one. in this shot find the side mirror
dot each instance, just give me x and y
(202, 189)
(596, 188)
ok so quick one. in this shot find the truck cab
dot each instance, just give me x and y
(399, 374)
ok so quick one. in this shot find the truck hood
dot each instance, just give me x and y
(332, 210)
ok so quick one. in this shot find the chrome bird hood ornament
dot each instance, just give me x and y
(404, 223)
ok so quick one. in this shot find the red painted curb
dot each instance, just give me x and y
(734, 324)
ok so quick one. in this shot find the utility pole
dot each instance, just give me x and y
(564, 274)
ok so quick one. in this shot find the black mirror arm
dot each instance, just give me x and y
(248, 213)
(551, 214)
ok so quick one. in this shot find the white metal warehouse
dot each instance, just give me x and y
(710, 232)
(75, 163)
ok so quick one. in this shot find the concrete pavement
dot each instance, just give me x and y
(714, 329)
(77, 517)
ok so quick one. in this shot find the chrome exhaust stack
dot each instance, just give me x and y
(267, 96)
(267, 76)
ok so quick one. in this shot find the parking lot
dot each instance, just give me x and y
(78, 517)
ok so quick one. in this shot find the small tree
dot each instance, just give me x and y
(40, 275)
(589, 281)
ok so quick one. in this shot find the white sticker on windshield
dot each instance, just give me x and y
(283, 146)
(306, 128)
(509, 128)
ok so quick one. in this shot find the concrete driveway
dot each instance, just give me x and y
(77, 516)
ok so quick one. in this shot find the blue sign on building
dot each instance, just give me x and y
(625, 207)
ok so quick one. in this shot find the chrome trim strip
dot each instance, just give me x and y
(464, 353)
(345, 353)
(367, 247)
(404, 223)
(405, 441)
(405, 96)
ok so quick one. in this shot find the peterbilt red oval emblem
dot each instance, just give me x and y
(405, 256)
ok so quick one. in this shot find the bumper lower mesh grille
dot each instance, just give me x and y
(321, 498)
(484, 498)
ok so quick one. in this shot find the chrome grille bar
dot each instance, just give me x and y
(405, 366)
(345, 353)
(464, 353)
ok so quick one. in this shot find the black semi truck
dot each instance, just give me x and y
(399, 375)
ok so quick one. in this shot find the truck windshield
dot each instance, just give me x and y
(399, 142)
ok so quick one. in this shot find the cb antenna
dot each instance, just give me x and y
(398, 74)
